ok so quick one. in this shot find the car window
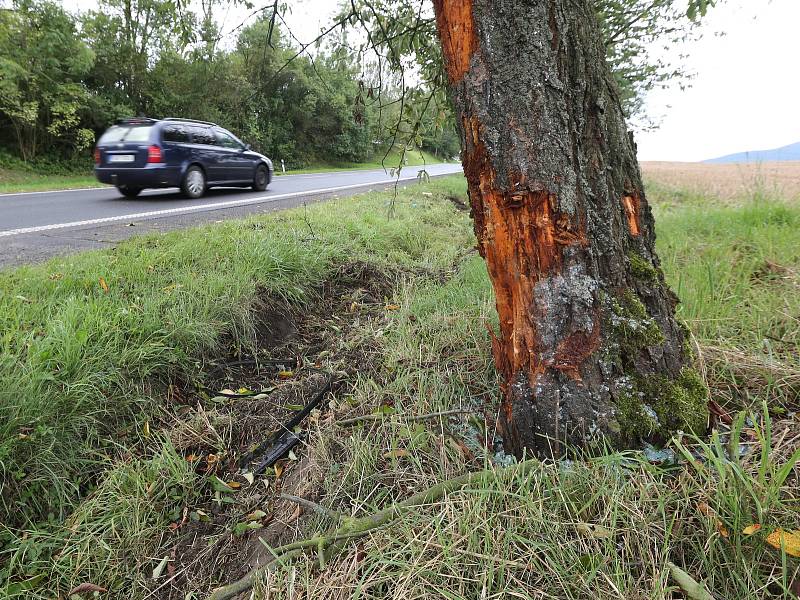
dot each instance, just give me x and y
(203, 135)
(126, 133)
(175, 133)
(226, 141)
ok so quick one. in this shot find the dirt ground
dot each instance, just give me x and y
(727, 182)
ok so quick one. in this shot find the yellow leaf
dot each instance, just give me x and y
(592, 530)
(392, 307)
(397, 453)
(278, 470)
(104, 285)
(235, 485)
(285, 374)
(751, 529)
(723, 531)
(788, 540)
(147, 429)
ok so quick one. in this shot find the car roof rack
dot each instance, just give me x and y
(134, 120)
(190, 121)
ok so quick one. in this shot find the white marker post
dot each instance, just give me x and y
(283, 166)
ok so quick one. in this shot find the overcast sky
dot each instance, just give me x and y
(745, 94)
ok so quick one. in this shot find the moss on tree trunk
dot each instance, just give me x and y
(588, 345)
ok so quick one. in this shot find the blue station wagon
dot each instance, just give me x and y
(140, 153)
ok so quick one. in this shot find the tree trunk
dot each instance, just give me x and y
(588, 347)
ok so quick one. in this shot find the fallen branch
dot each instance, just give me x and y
(358, 527)
(365, 418)
(317, 508)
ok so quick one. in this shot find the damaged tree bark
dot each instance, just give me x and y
(588, 346)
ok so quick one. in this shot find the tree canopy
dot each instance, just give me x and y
(65, 77)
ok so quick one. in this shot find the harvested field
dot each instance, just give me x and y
(729, 183)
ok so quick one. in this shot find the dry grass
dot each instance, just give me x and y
(727, 182)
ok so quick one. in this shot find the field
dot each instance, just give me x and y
(135, 383)
(728, 183)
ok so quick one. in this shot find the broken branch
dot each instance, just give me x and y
(358, 527)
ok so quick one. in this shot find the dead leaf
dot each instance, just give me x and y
(723, 531)
(396, 453)
(392, 307)
(751, 529)
(84, 588)
(593, 531)
(160, 567)
(249, 477)
(234, 485)
(789, 541)
(256, 515)
(285, 374)
(104, 285)
(295, 514)
(278, 470)
(692, 588)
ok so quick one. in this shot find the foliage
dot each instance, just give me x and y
(42, 65)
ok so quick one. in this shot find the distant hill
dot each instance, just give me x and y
(790, 152)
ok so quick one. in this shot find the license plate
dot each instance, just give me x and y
(121, 158)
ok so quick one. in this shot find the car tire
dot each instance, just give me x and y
(261, 178)
(194, 182)
(128, 191)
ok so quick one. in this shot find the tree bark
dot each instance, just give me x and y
(589, 348)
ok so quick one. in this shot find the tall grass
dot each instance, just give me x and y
(90, 342)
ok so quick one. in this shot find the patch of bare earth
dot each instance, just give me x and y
(728, 182)
(243, 401)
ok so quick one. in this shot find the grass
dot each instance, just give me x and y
(22, 181)
(89, 489)
(379, 161)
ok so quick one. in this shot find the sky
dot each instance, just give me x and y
(744, 95)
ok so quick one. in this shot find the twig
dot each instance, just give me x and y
(318, 508)
(354, 528)
(363, 418)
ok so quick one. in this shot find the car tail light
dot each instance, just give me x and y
(97, 156)
(154, 154)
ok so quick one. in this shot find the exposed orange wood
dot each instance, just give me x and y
(631, 204)
(457, 34)
(521, 235)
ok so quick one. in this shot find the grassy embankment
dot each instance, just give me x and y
(16, 176)
(91, 483)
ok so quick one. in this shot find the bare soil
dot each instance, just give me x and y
(214, 432)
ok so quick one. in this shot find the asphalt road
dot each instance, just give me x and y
(35, 226)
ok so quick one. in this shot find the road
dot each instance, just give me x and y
(35, 226)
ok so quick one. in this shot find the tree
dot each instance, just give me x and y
(42, 62)
(589, 346)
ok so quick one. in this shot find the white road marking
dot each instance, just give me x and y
(288, 175)
(198, 207)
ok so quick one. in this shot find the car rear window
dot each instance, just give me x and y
(126, 133)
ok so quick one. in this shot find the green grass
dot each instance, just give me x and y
(87, 487)
(391, 161)
(23, 181)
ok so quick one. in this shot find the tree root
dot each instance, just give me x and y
(335, 539)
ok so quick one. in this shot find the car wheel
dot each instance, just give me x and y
(261, 178)
(128, 191)
(194, 182)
